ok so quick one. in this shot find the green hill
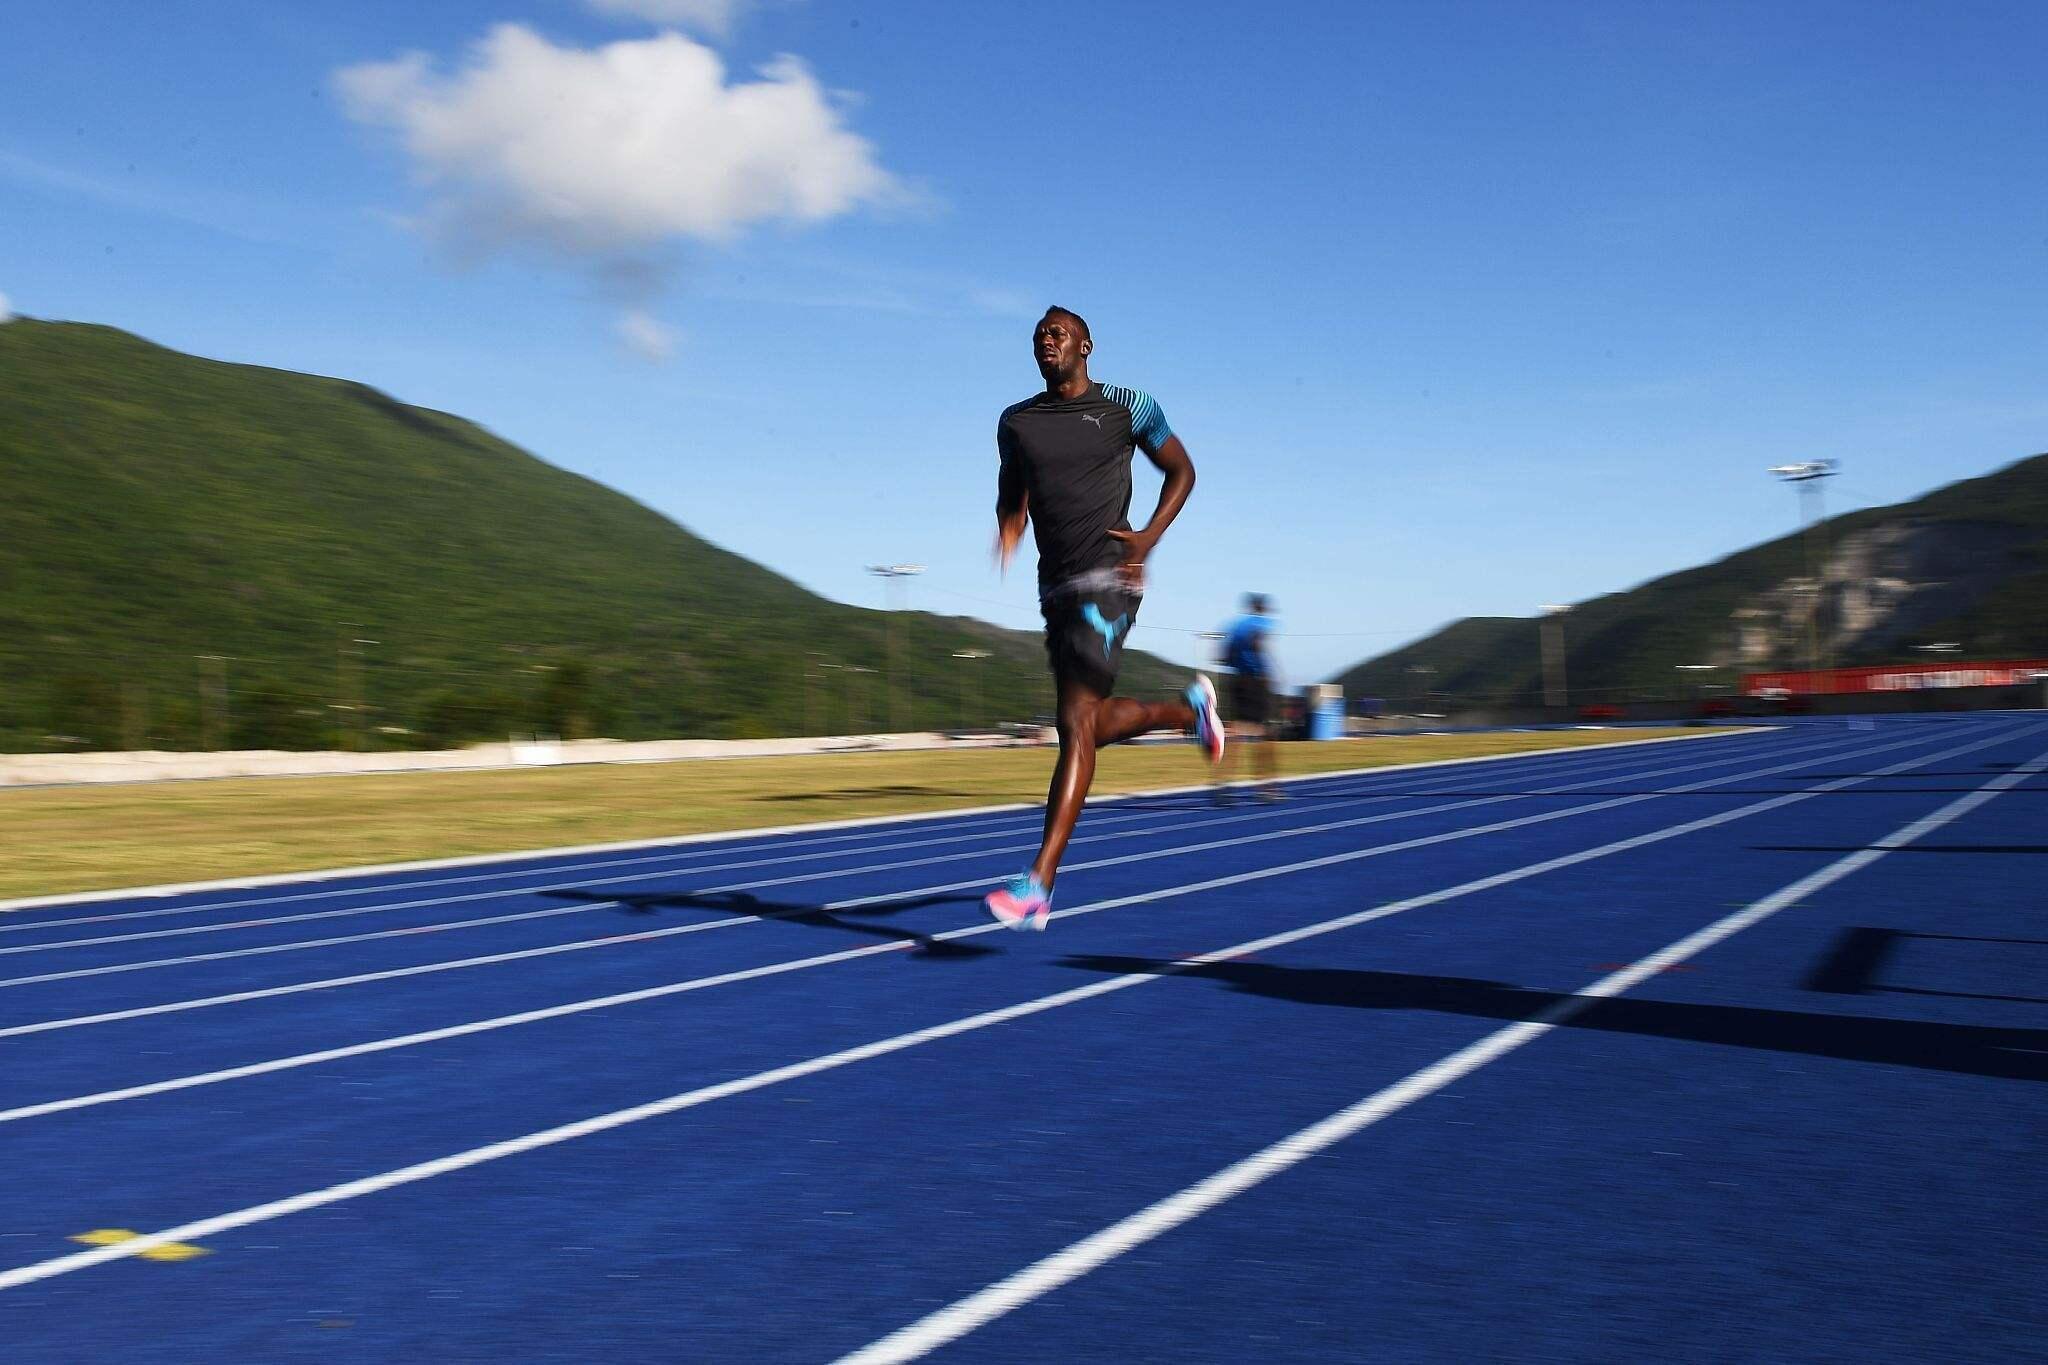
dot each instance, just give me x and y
(372, 573)
(1966, 563)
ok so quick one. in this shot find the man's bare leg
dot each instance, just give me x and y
(1087, 721)
(1265, 763)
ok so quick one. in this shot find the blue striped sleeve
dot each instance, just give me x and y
(1148, 420)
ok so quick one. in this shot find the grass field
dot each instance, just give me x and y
(85, 838)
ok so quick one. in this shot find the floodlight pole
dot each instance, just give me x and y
(890, 574)
(1699, 683)
(810, 716)
(1553, 654)
(850, 670)
(1806, 477)
(1422, 673)
(824, 668)
(213, 702)
(972, 681)
(348, 668)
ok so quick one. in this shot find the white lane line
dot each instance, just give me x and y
(668, 862)
(552, 880)
(854, 903)
(1091, 1253)
(203, 1228)
(1206, 821)
(873, 950)
(584, 883)
(860, 825)
(495, 893)
(1290, 832)
(578, 945)
(298, 945)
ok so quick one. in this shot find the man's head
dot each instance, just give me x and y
(1060, 344)
(1255, 603)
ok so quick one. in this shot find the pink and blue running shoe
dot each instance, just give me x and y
(1201, 698)
(1020, 903)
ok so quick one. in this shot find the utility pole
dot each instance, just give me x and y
(1698, 671)
(851, 670)
(213, 701)
(810, 715)
(1806, 477)
(134, 708)
(891, 575)
(823, 669)
(348, 681)
(971, 680)
(1552, 631)
(342, 691)
(1422, 673)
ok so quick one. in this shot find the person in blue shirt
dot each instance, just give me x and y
(1247, 653)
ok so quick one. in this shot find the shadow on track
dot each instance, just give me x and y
(1355, 795)
(817, 916)
(1909, 848)
(1854, 965)
(1965, 1049)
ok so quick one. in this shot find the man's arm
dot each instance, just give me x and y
(1170, 459)
(1013, 507)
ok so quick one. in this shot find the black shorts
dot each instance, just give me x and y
(1085, 633)
(1251, 701)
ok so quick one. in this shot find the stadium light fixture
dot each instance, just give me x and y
(1804, 470)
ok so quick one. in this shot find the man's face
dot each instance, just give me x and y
(1058, 346)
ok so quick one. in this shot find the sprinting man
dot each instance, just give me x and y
(1066, 468)
(1248, 656)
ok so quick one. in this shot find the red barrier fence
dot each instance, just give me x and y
(1895, 678)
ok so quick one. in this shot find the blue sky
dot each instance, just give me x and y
(1460, 308)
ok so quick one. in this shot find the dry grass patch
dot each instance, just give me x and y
(87, 838)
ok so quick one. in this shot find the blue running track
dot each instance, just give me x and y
(1725, 1049)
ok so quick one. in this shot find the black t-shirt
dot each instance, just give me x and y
(1073, 456)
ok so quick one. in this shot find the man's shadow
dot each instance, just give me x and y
(817, 916)
(1964, 1049)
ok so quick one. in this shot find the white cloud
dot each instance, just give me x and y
(601, 153)
(706, 16)
(645, 337)
(6, 309)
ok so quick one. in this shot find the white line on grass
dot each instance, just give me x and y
(201, 1229)
(763, 833)
(872, 950)
(578, 945)
(1090, 1253)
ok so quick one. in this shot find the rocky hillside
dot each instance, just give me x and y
(1966, 563)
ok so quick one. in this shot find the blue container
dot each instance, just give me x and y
(1326, 712)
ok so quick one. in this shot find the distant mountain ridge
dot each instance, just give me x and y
(197, 551)
(1966, 563)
